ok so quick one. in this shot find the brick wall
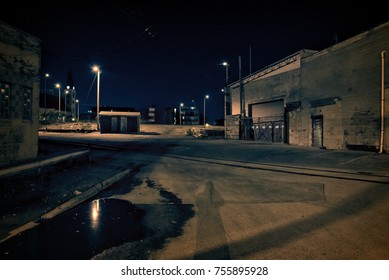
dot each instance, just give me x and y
(343, 84)
(20, 68)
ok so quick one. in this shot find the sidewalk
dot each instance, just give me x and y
(42, 192)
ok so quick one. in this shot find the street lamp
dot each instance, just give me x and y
(78, 110)
(46, 77)
(66, 102)
(225, 92)
(181, 104)
(205, 97)
(226, 65)
(97, 70)
(58, 86)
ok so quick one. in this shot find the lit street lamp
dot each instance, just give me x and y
(226, 65)
(182, 104)
(78, 110)
(225, 91)
(66, 102)
(46, 77)
(205, 97)
(58, 86)
(97, 69)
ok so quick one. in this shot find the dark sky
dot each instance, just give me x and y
(167, 53)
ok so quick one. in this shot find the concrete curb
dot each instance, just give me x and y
(95, 189)
(9, 171)
(301, 170)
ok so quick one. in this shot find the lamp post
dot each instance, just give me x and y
(78, 110)
(46, 77)
(66, 102)
(205, 97)
(226, 65)
(225, 94)
(58, 86)
(181, 104)
(97, 70)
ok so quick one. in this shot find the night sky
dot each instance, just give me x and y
(154, 53)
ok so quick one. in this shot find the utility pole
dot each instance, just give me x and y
(250, 61)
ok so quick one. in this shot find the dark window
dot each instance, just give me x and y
(5, 95)
(27, 103)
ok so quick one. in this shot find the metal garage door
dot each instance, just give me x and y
(317, 131)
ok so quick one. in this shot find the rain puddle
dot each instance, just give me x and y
(79, 233)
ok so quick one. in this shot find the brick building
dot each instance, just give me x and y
(329, 98)
(20, 55)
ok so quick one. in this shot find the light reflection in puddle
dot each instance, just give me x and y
(79, 233)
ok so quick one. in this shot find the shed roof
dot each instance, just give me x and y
(122, 114)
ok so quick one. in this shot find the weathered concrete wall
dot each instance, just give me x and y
(343, 84)
(232, 127)
(277, 82)
(20, 55)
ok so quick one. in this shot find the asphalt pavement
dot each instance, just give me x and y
(30, 196)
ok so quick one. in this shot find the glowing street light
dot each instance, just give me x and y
(226, 65)
(66, 102)
(46, 77)
(205, 97)
(58, 86)
(97, 70)
(181, 105)
(78, 110)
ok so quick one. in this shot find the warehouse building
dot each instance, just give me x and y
(331, 98)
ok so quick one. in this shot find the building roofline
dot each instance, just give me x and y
(275, 66)
(128, 114)
(305, 53)
(353, 39)
(20, 30)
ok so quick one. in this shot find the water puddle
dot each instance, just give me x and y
(79, 233)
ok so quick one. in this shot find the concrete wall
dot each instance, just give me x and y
(343, 84)
(232, 127)
(19, 68)
(276, 82)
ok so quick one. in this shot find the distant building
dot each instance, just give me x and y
(20, 56)
(189, 115)
(160, 115)
(326, 99)
(70, 107)
(151, 115)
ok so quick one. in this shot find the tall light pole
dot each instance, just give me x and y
(66, 102)
(226, 65)
(97, 70)
(181, 104)
(46, 77)
(205, 97)
(225, 95)
(58, 86)
(78, 110)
